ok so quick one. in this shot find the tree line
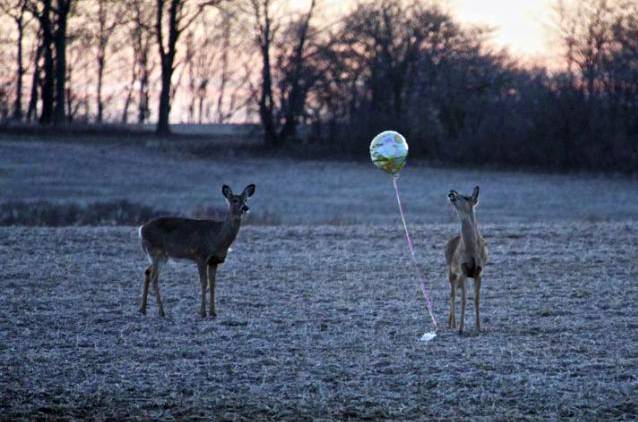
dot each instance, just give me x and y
(334, 81)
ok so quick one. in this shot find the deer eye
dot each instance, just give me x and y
(235, 200)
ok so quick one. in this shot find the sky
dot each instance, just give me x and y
(524, 27)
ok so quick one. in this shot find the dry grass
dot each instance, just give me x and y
(318, 320)
(299, 192)
(321, 322)
(112, 213)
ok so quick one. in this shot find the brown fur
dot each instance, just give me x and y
(466, 255)
(204, 242)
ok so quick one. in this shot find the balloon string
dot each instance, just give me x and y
(424, 288)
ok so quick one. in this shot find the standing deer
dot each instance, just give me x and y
(466, 255)
(205, 242)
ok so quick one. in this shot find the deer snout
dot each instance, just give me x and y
(245, 209)
(452, 195)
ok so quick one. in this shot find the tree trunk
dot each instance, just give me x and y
(33, 99)
(266, 99)
(164, 110)
(141, 36)
(48, 84)
(167, 57)
(17, 110)
(60, 61)
(69, 96)
(142, 110)
(100, 77)
(104, 33)
(201, 109)
(297, 94)
(223, 77)
(129, 94)
(35, 84)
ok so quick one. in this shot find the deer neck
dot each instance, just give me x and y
(470, 233)
(229, 231)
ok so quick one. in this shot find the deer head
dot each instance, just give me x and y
(464, 205)
(237, 204)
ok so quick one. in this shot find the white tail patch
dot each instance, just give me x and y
(148, 256)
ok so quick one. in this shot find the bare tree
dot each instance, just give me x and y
(213, 57)
(42, 10)
(586, 28)
(141, 36)
(62, 10)
(623, 66)
(104, 16)
(35, 80)
(129, 92)
(298, 78)
(180, 15)
(279, 113)
(80, 72)
(233, 72)
(199, 71)
(53, 20)
(223, 76)
(16, 10)
(265, 32)
(233, 81)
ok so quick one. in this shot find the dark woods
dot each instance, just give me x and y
(415, 69)
(315, 82)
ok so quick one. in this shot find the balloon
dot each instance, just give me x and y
(388, 151)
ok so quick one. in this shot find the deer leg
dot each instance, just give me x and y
(477, 301)
(463, 301)
(212, 273)
(451, 323)
(157, 289)
(147, 282)
(203, 282)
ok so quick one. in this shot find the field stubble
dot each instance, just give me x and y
(319, 310)
(321, 322)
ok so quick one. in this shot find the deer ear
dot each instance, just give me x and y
(249, 190)
(475, 195)
(227, 191)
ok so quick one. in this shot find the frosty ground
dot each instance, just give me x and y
(319, 318)
(300, 191)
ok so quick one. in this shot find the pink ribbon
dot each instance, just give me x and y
(424, 287)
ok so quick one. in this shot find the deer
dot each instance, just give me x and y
(466, 255)
(203, 241)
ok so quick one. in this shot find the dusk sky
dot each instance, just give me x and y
(523, 27)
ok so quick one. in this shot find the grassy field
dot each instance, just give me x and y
(319, 311)
(300, 192)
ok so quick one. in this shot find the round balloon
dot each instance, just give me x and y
(388, 151)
